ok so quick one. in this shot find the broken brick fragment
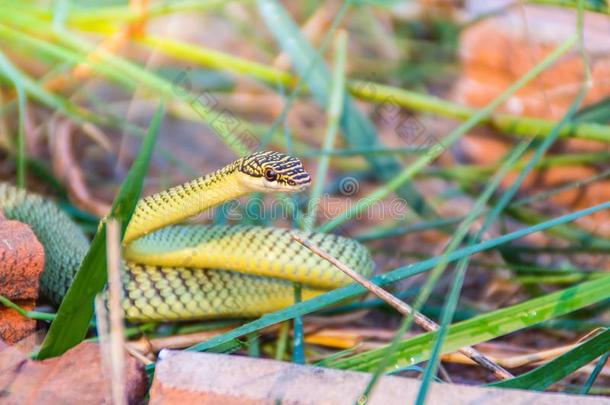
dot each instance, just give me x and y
(21, 265)
(21, 261)
(76, 377)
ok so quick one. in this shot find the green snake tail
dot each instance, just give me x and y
(65, 244)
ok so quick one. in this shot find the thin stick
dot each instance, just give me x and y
(115, 290)
(103, 333)
(422, 320)
(143, 359)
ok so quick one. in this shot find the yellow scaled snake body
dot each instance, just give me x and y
(181, 272)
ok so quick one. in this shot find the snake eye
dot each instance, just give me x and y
(270, 174)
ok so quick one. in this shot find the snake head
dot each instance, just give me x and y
(267, 171)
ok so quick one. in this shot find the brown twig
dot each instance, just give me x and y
(334, 320)
(97, 135)
(146, 346)
(115, 292)
(142, 358)
(66, 169)
(403, 308)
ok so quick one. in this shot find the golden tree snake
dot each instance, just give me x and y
(176, 271)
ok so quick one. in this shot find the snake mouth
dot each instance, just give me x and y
(283, 187)
(302, 185)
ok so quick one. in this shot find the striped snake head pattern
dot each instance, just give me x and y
(273, 171)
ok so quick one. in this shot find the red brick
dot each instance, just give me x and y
(205, 378)
(21, 265)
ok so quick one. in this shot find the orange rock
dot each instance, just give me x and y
(21, 261)
(77, 377)
(499, 50)
(484, 147)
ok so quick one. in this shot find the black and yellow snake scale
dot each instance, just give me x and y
(183, 272)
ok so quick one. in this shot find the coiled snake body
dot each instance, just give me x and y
(181, 272)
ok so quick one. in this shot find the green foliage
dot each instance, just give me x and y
(486, 327)
(76, 310)
(342, 294)
(544, 376)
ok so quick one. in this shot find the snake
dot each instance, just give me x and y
(177, 271)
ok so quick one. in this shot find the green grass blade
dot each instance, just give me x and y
(406, 150)
(21, 156)
(40, 316)
(508, 123)
(598, 112)
(282, 341)
(334, 110)
(393, 231)
(298, 340)
(596, 6)
(543, 195)
(596, 371)
(12, 73)
(544, 376)
(488, 326)
(89, 14)
(333, 113)
(219, 60)
(569, 232)
(76, 309)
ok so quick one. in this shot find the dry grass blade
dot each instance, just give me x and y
(404, 309)
(145, 346)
